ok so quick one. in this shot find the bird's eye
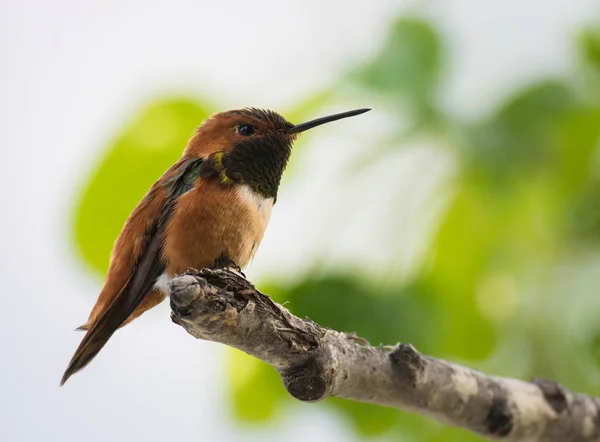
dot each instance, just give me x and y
(246, 130)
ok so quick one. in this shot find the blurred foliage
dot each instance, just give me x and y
(524, 212)
(590, 45)
(590, 67)
(250, 376)
(517, 135)
(407, 68)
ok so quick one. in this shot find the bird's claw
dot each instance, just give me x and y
(227, 264)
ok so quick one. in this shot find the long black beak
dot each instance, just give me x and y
(314, 123)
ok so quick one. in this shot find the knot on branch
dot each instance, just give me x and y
(306, 382)
(553, 393)
(407, 362)
(499, 419)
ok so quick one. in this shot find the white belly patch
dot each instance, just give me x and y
(163, 283)
(261, 204)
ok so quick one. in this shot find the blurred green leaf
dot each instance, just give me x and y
(451, 434)
(465, 247)
(256, 388)
(579, 174)
(578, 163)
(584, 216)
(407, 68)
(348, 303)
(595, 348)
(140, 154)
(590, 47)
(520, 136)
(367, 420)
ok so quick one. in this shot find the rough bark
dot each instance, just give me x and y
(316, 362)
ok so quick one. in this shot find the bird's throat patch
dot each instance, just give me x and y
(256, 163)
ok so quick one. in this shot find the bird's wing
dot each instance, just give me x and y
(136, 262)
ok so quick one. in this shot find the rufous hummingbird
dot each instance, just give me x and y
(209, 209)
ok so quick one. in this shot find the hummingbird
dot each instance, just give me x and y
(209, 209)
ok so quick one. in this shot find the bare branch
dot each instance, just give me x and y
(315, 362)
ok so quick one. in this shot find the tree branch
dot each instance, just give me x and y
(315, 362)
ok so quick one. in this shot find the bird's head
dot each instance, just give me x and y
(251, 146)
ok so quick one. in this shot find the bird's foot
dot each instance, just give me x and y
(225, 263)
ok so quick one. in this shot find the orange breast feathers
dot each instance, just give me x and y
(213, 221)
